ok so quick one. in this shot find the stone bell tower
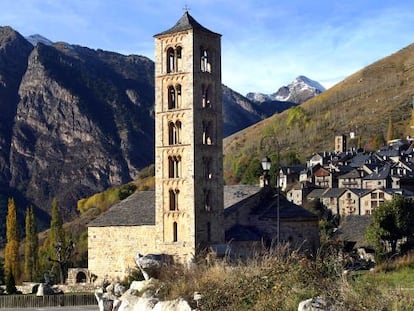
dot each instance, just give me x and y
(188, 139)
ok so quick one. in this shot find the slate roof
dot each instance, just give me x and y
(384, 173)
(237, 193)
(352, 174)
(136, 210)
(316, 193)
(333, 193)
(287, 210)
(186, 22)
(352, 229)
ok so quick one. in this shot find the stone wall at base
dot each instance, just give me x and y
(111, 250)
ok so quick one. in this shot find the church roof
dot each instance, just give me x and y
(186, 22)
(136, 210)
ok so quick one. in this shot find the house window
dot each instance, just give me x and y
(381, 195)
(173, 198)
(175, 231)
(174, 167)
(174, 133)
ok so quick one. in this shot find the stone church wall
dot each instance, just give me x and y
(111, 250)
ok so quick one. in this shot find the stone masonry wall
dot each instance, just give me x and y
(111, 250)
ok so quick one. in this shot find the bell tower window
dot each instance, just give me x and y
(171, 98)
(174, 97)
(170, 60)
(207, 172)
(174, 133)
(206, 103)
(205, 62)
(207, 200)
(173, 199)
(174, 167)
(207, 133)
(175, 231)
(178, 52)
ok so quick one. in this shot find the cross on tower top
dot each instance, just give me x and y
(186, 8)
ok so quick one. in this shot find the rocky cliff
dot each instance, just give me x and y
(77, 120)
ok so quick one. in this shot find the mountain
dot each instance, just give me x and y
(364, 104)
(297, 92)
(74, 120)
(35, 39)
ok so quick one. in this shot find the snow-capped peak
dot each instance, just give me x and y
(35, 39)
(298, 91)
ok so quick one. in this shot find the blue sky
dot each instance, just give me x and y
(265, 44)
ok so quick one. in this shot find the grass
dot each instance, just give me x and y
(280, 280)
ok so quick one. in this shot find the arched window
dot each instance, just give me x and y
(174, 167)
(207, 168)
(175, 231)
(207, 133)
(170, 60)
(174, 133)
(207, 200)
(178, 53)
(173, 198)
(206, 102)
(178, 95)
(205, 63)
(171, 98)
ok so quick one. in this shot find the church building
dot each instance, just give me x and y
(190, 209)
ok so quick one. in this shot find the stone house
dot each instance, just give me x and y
(351, 179)
(330, 199)
(323, 178)
(380, 178)
(372, 199)
(299, 192)
(289, 175)
(349, 202)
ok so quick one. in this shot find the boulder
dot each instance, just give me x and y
(151, 264)
(313, 304)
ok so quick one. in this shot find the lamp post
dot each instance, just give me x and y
(266, 164)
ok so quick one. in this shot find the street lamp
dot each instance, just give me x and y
(266, 164)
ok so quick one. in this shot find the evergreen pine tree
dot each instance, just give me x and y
(30, 247)
(11, 257)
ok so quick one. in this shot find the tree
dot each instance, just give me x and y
(30, 247)
(56, 238)
(392, 221)
(11, 257)
(390, 130)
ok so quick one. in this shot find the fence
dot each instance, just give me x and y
(33, 301)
